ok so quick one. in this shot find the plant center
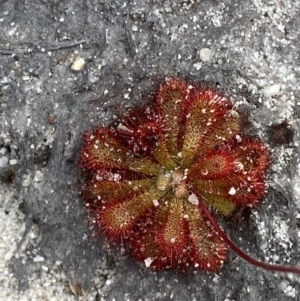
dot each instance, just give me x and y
(175, 179)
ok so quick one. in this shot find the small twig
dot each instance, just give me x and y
(58, 47)
(130, 44)
(7, 52)
(52, 48)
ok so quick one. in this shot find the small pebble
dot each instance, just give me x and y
(13, 161)
(38, 258)
(205, 54)
(3, 161)
(271, 90)
(78, 64)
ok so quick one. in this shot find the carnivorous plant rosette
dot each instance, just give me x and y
(152, 178)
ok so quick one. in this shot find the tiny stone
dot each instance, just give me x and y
(197, 66)
(38, 258)
(38, 176)
(205, 54)
(9, 255)
(232, 191)
(13, 161)
(155, 203)
(238, 138)
(193, 199)
(45, 268)
(3, 151)
(26, 182)
(148, 261)
(3, 161)
(78, 64)
(271, 90)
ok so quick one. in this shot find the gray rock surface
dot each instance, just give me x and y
(248, 48)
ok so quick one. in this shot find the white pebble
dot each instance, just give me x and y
(155, 203)
(38, 258)
(9, 255)
(3, 151)
(13, 161)
(198, 65)
(205, 54)
(3, 161)
(232, 191)
(238, 138)
(78, 64)
(26, 181)
(193, 199)
(271, 90)
(38, 176)
(148, 261)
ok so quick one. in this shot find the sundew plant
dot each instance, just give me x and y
(156, 181)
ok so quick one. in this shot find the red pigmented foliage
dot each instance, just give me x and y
(152, 179)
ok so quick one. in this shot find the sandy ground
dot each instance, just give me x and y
(122, 50)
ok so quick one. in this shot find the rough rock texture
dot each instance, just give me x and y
(248, 48)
